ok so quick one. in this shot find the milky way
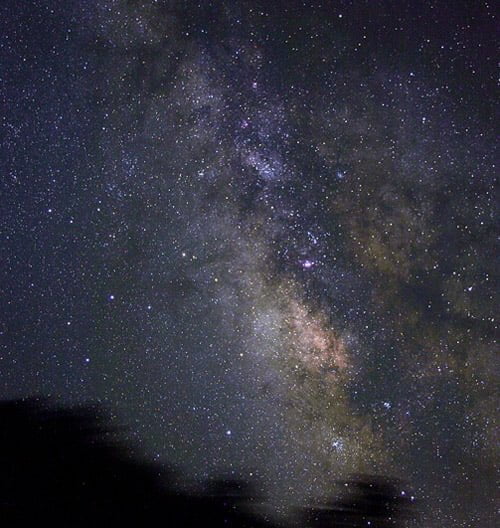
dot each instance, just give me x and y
(262, 235)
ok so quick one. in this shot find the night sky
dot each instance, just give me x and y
(262, 234)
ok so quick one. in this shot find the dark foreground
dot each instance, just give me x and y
(63, 468)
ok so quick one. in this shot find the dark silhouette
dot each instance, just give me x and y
(61, 468)
(367, 502)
